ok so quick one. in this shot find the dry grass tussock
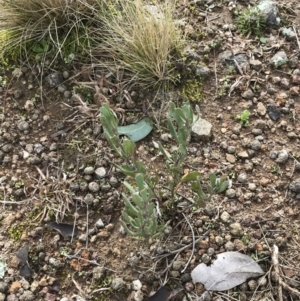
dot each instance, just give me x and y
(140, 38)
(44, 26)
(143, 39)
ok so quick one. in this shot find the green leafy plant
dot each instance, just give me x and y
(140, 212)
(251, 21)
(243, 118)
(140, 217)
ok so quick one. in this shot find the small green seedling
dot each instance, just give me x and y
(243, 118)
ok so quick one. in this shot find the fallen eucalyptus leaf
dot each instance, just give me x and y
(137, 131)
(228, 270)
(64, 229)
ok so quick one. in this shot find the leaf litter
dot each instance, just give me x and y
(229, 270)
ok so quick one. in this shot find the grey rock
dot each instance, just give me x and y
(202, 129)
(2, 297)
(225, 216)
(89, 170)
(230, 158)
(279, 59)
(230, 193)
(137, 296)
(242, 178)
(74, 186)
(34, 160)
(117, 284)
(94, 187)
(295, 186)
(99, 223)
(248, 94)
(23, 126)
(284, 83)
(210, 251)
(236, 229)
(177, 265)
(255, 64)
(3, 287)
(243, 155)
(105, 187)
(38, 148)
(88, 199)
(62, 89)
(67, 94)
(273, 154)
(255, 145)
(260, 124)
(82, 237)
(273, 112)
(261, 109)
(100, 172)
(54, 79)
(12, 297)
(55, 262)
(7, 147)
(219, 240)
(229, 246)
(237, 128)
(202, 70)
(83, 186)
(136, 285)
(252, 186)
(205, 258)
(66, 74)
(113, 181)
(282, 156)
(27, 296)
(98, 273)
(256, 132)
(64, 299)
(29, 106)
(270, 12)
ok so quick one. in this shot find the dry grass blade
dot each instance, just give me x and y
(142, 39)
(40, 27)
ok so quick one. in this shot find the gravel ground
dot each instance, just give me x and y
(57, 166)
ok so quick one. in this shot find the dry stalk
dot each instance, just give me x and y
(278, 277)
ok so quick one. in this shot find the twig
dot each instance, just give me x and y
(296, 36)
(281, 284)
(193, 236)
(238, 66)
(14, 203)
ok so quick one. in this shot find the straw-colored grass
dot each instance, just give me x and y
(41, 27)
(143, 39)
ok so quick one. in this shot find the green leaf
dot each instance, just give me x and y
(127, 170)
(129, 147)
(137, 131)
(224, 185)
(192, 176)
(139, 179)
(263, 40)
(213, 179)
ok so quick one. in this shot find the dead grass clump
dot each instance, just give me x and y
(143, 39)
(42, 27)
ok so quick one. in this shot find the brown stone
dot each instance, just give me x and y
(15, 286)
(203, 244)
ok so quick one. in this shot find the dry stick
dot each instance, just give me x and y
(281, 284)
(193, 235)
(296, 36)
(178, 251)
